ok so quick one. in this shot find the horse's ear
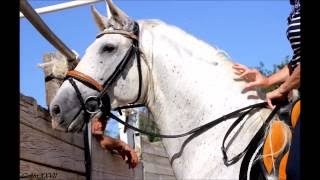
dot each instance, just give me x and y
(99, 19)
(116, 17)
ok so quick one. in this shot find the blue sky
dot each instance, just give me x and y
(249, 31)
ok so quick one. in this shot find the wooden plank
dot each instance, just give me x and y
(41, 148)
(138, 173)
(102, 175)
(160, 160)
(153, 149)
(155, 161)
(106, 163)
(43, 113)
(99, 175)
(157, 169)
(45, 127)
(37, 172)
(39, 120)
(28, 105)
(153, 176)
(27, 99)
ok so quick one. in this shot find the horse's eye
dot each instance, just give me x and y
(108, 48)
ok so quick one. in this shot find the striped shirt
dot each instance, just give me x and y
(294, 35)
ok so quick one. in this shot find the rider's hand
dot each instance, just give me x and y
(98, 125)
(252, 76)
(275, 96)
(128, 154)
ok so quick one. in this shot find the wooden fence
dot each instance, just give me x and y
(156, 165)
(49, 154)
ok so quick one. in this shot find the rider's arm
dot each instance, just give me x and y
(110, 143)
(278, 77)
(292, 81)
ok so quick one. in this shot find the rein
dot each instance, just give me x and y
(198, 129)
(243, 112)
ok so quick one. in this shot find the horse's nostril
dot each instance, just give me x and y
(56, 109)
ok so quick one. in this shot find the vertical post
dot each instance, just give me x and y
(87, 149)
(51, 84)
(122, 134)
(131, 114)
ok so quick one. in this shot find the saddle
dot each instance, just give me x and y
(267, 159)
(276, 146)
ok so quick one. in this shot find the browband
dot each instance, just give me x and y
(84, 78)
(122, 32)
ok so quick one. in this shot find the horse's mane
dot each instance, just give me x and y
(200, 49)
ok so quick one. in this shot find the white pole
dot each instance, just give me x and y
(62, 6)
(123, 135)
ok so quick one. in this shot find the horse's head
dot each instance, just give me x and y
(110, 68)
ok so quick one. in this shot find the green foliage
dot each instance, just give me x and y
(267, 72)
(146, 123)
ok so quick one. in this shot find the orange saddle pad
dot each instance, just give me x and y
(275, 148)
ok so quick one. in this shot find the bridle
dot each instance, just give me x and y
(101, 102)
(93, 104)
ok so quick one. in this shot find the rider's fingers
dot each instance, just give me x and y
(240, 67)
(238, 72)
(122, 155)
(246, 73)
(270, 103)
(251, 85)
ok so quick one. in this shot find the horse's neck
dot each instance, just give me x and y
(190, 84)
(189, 77)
